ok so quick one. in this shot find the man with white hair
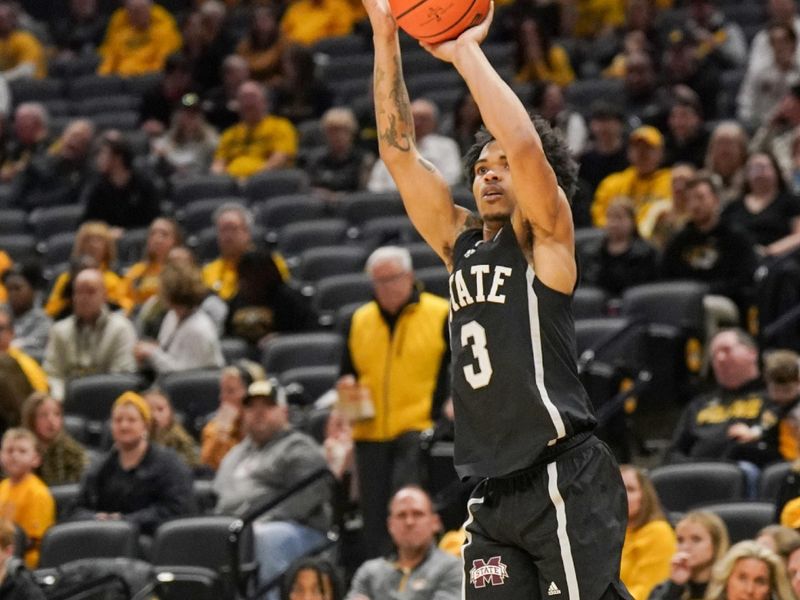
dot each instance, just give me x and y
(439, 149)
(394, 368)
(31, 127)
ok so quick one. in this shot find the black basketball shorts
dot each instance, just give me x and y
(553, 532)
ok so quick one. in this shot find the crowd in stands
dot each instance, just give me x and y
(187, 185)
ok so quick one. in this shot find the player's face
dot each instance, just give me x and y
(749, 580)
(695, 540)
(412, 522)
(492, 185)
(634, 491)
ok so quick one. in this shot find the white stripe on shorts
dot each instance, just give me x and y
(561, 531)
(467, 542)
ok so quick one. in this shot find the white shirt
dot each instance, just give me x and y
(440, 150)
(189, 344)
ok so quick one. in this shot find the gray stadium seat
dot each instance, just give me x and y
(435, 280)
(193, 393)
(324, 261)
(359, 207)
(93, 86)
(289, 351)
(19, 246)
(12, 220)
(294, 238)
(682, 487)
(65, 542)
(744, 519)
(589, 302)
(772, 477)
(304, 385)
(47, 222)
(336, 291)
(92, 396)
(423, 256)
(275, 183)
(202, 187)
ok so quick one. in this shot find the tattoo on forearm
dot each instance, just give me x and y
(395, 123)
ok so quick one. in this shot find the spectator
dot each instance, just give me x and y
(725, 157)
(645, 101)
(649, 539)
(779, 539)
(140, 282)
(374, 368)
(19, 373)
(271, 459)
(762, 90)
(419, 569)
(63, 459)
(224, 429)
(213, 41)
(593, 20)
(140, 37)
(166, 431)
(725, 423)
(263, 45)
(81, 32)
(187, 148)
(779, 130)
(31, 124)
(187, 338)
(220, 104)
(21, 54)
(604, 154)
(23, 496)
(308, 21)
(547, 99)
(136, 481)
(16, 583)
(259, 142)
(120, 196)
(702, 542)
(720, 40)
(538, 58)
(93, 340)
(57, 176)
(340, 165)
(440, 150)
(782, 12)
(311, 578)
(709, 250)
(686, 139)
(265, 304)
(300, 94)
(685, 68)
(23, 283)
(749, 571)
(782, 376)
(667, 218)
(152, 313)
(643, 182)
(164, 97)
(95, 246)
(793, 569)
(620, 259)
(767, 211)
(463, 122)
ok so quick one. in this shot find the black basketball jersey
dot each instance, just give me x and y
(515, 380)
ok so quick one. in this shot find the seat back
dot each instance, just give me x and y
(589, 302)
(682, 487)
(435, 280)
(275, 183)
(305, 384)
(198, 542)
(92, 396)
(338, 290)
(289, 351)
(193, 393)
(64, 497)
(772, 478)
(324, 261)
(65, 542)
(744, 519)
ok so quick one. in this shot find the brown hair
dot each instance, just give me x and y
(786, 540)
(650, 509)
(715, 527)
(20, 433)
(102, 230)
(182, 285)
(31, 406)
(782, 366)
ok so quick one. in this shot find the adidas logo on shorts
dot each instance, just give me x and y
(553, 589)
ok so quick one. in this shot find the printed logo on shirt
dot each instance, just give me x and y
(553, 589)
(488, 572)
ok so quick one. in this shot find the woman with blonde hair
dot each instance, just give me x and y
(702, 541)
(649, 540)
(94, 247)
(749, 571)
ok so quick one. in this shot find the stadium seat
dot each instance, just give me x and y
(359, 207)
(65, 542)
(589, 303)
(342, 45)
(138, 85)
(343, 315)
(193, 393)
(57, 248)
(292, 350)
(348, 68)
(434, 280)
(305, 384)
(351, 92)
(73, 67)
(381, 231)
(94, 86)
(682, 487)
(124, 120)
(334, 292)
(47, 222)
(199, 214)
(204, 243)
(587, 238)
(324, 261)
(294, 238)
(771, 480)
(91, 397)
(203, 187)
(279, 211)
(20, 541)
(310, 132)
(581, 94)
(131, 246)
(275, 183)
(12, 220)
(35, 90)
(419, 85)
(19, 246)
(64, 496)
(204, 495)
(423, 256)
(234, 348)
(744, 519)
(106, 104)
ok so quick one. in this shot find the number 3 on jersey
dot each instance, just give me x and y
(474, 335)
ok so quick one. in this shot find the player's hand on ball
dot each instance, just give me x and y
(476, 34)
(380, 17)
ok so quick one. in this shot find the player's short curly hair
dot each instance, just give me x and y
(555, 149)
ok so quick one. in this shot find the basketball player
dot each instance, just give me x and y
(548, 519)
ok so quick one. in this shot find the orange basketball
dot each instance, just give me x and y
(435, 21)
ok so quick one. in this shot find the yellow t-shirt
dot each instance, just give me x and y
(559, 71)
(5, 265)
(221, 276)
(22, 47)
(595, 15)
(646, 556)
(140, 282)
(57, 302)
(643, 191)
(306, 23)
(245, 150)
(33, 371)
(31, 506)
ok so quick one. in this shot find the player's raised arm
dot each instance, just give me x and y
(424, 191)
(541, 204)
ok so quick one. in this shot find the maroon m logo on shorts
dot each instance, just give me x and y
(487, 572)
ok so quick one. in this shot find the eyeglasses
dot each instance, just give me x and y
(389, 279)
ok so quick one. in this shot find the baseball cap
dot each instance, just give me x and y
(267, 389)
(647, 134)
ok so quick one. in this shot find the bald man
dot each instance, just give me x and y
(92, 340)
